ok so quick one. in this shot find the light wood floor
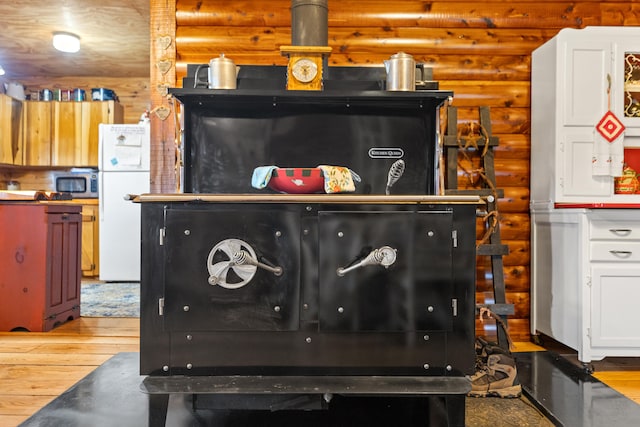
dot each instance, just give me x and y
(37, 367)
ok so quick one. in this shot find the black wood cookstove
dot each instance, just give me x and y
(253, 299)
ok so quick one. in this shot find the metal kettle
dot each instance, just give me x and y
(15, 90)
(401, 72)
(223, 74)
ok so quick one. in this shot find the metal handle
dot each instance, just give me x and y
(244, 258)
(196, 76)
(395, 172)
(620, 231)
(621, 253)
(384, 256)
(420, 66)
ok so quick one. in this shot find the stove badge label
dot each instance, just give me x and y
(386, 153)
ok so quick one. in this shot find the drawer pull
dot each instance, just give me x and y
(620, 231)
(621, 254)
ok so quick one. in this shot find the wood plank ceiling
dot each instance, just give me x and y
(114, 38)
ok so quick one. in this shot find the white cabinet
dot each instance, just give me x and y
(586, 280)
(615, 316)
(615, 284)
(570, 77)
(585, 254)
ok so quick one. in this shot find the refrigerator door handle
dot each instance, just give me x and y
(101, 197)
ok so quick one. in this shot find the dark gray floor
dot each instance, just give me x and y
(569, 396)
(112, 396)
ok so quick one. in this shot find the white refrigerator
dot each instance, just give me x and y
(124, 152)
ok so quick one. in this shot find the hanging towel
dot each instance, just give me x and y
(608, 146)
(617, 157)
(608, 142)
(261, 176)
(338, 179)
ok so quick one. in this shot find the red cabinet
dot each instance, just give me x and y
(39, 265)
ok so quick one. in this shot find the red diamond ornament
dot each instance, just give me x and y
(610, 127)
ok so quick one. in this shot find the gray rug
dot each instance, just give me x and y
(110, 299)
(497, 412)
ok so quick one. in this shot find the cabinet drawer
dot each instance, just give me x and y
(615, 230)
(615, 251)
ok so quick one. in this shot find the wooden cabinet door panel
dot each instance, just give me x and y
(90, 244)
(37, 133)
(63, 262)
(67, 134)
(10, 121)
(94, 113)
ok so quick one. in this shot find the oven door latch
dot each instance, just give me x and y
(384, 256)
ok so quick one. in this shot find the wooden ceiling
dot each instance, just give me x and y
(114, 38)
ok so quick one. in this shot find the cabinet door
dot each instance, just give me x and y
(587, 65)
(37, 133)
(615, 317)
(626, 85)
(575, 177)
(94, 113)
(10, 121)
(67, 134)
(63, 267)
(90, 245)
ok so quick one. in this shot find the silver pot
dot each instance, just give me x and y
(15, 90)
(223, 74)
(401, 72)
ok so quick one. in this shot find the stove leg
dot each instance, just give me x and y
(158, 404)
(447, 411)
(455, 410)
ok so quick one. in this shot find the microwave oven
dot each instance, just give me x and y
(81, 184)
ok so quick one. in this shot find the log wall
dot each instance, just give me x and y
(480, 50)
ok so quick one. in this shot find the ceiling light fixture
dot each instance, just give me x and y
(66, 42)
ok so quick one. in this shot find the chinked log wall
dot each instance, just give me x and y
(481, 50)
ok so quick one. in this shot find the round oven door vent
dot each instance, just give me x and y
(227, 264)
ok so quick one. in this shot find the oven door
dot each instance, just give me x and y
(210, 281)
(412, 293)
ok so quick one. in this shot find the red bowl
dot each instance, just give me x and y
(297, 180)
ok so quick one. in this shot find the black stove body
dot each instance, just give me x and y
(272, 296)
